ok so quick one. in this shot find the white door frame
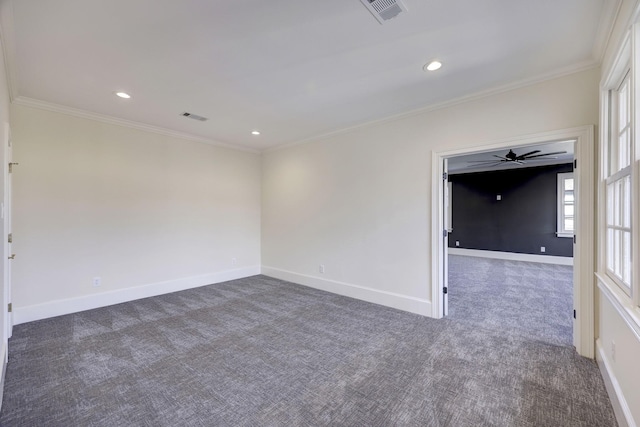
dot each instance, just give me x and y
(6, 206)
(584, 248)
(445, 239)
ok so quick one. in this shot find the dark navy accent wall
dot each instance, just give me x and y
(523, 221)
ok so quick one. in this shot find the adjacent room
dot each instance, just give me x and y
(235, 213)
(510, 221)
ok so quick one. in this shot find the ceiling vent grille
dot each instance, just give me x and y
(194, 117)
(383, 10)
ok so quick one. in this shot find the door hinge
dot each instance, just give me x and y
(575, 163)
(9, 308)
(445, 290)
(574, 238)
(445, 233)
(11, 166)
(574, 314)
(10, 238)
(445, 176)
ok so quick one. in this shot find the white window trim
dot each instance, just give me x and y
(612, 147)
(560, 231)
(630, 290)
(625, 59)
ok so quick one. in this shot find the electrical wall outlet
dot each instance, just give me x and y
(321, 268)
(234, 261)
(499, 197)
(97, 281)
(457, 243)
(543, 249)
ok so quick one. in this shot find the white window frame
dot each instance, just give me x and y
(617, 179)
(624, 65)
(560, 230)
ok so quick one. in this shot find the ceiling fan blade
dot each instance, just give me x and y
(501, 157)
(522, 156)
(493, 163)
(544, 158)
(547, 154)
(484, 161)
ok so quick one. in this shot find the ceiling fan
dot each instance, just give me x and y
(512, 157)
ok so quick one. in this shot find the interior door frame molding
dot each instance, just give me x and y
(584, 248)
(6, 207)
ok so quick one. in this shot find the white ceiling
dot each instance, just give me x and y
(294, 70)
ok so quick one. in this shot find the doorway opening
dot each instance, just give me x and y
(579, 278)
(510, 223)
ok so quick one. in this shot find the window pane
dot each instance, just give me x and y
(624, 117)
(619, 146)
(622, 105)
(568, 224)
(625, 145)
(625, 202)
(610, 244)
(612, 146)
(613, 154)
(568, 210)
(617, 216)
(568, 184)
(610, 203)
(616, 252)
(626, 258)
(568, 196)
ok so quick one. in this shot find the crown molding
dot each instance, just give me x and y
(608, 16)
(610, 11)
(561, 72)
(7, 43)
(57, 108)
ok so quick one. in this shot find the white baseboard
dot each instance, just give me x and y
(74, 305)
(620, 406)
(512, 256)
(388, 299)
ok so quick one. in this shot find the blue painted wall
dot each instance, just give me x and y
(523, 221)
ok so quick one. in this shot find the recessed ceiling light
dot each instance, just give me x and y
(432, 66)
(255, 132)
(124, 95)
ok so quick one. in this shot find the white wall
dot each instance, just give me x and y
(147, 213)
(618, 356)
(359, 202)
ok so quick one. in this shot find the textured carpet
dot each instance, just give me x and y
(528, 299)
(263, 352)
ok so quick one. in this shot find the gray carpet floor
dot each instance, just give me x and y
(528, 299)
(263, 352)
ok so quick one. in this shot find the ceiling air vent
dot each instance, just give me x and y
(194, 117)
(383, 10)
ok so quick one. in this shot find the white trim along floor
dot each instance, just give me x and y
(512, 256)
